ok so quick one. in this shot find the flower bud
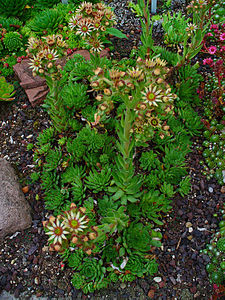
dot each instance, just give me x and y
(74, 240)
(88, 252)
(85, 239)
(92, 236)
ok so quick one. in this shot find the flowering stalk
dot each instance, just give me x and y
(199, 9)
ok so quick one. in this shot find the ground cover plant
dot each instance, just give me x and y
(115, 153)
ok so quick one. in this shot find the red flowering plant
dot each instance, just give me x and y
(214, 44)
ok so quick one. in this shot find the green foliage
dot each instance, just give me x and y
(72, 173)
(10, 23)
(149, 160)
(135, 265)
(110, 253)
(74, 96)
(184, 186)
(153, 204)
(55, 199)
(188, 82)
(116, 220)
(6, 90)
(9, 8)
(169, 56)
(151, 267)
(47, 21)
(221, 244)
(98, 182)
(92, 269)
(106, 204)
(44, 4)
(78, 190)
(75, 259)
(49, 180)
(46, 136)
(53, 159)
(191, 120)
(139, 238)
(12, 41)
(175, 28)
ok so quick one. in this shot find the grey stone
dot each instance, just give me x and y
(14, 209)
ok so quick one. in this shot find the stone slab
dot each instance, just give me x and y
(25, 75)
(14, 209)
(35, 87)
(37, 95)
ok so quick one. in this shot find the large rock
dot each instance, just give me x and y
(14, 209)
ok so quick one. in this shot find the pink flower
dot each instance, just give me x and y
(209, 34)
(223, 25)
(214, 26)
(222, 49)
(222, 36)
(219, 62)
(212, 50)
(208, 61)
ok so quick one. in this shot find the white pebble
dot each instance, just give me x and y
(157, 279)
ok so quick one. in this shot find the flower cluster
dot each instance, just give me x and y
(44, 54)
(216, 35)
(71, 228)
(145, 83)
(91, 21)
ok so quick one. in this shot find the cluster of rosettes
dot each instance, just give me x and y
(44, 52)
(146, 82)
(91, 21)
(71, 229)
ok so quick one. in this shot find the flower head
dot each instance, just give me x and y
(214, 26)
(73, 22)
(74, 220)
(96, 23)
(152, 95)
(57, 231)
(191, 28)
(50, 39)
(33, 43)
(154, 122)
(51, 54)
(208, 61)
(222, 36)
(35, 64)
(96, 45)
(84, 28)
(135, 73)
(212, 50)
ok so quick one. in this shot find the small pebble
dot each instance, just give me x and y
(188, 224)
(157, 279)
(210, 189)
(123, 285)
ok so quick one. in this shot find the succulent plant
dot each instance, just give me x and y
(46, 21)
(9, 8)
(221, 244)
(6, 90)
(43, 4)
(92, 269)
(10, 24)
(12, 41)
